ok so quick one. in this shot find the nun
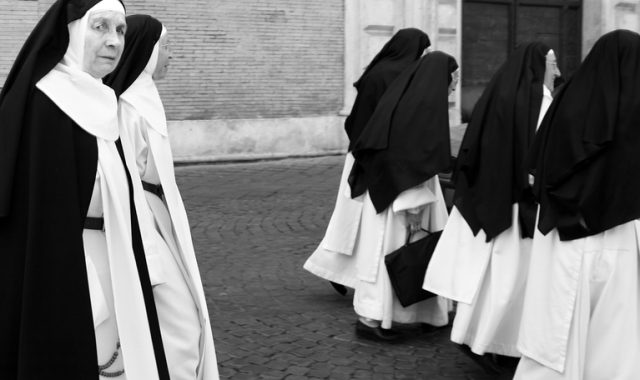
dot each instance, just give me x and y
(177, 287)
(582, 298)
(333, 259)
(482, 258)
(397, 160)
(75, 294)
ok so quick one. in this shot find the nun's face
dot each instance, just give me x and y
(104, 42)
(551, 71)
(455, 77)
(164, 54)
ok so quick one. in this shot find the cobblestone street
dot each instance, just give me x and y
(254, 225)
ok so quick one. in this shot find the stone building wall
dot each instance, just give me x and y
(248, 78)
(269, 78)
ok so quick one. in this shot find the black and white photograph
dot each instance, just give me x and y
(320, 190)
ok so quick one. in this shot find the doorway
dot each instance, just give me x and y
(492, 29)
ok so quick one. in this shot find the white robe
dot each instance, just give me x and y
(334, 260)
(381, 234)
(487, 279)
(582, 307)
(180, 298)
(100, 285)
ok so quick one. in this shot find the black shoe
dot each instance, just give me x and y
(506, 363)
(426, 328)
(484, 361)
(376, 333)
(339, 288)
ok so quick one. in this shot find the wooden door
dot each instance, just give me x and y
(491, 29)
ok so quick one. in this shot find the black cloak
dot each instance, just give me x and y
(47, 171)
(491, 173)
(586, 154)
(143, 32)
(404, 48)
(406, 142)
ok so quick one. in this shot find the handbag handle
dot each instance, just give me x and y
(410, 234)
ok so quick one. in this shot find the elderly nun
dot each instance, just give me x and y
(75, 294)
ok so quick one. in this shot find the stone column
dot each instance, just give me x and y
(368, 25)
(592, 23)
(448, 22)
(351, 52)
(625, 15)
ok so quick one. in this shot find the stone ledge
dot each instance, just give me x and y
(201, 141)
(255, 139)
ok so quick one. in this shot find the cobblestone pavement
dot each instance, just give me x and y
(254, 225)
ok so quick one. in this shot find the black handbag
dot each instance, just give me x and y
(407, 266)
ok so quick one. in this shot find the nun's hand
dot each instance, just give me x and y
(414, 219)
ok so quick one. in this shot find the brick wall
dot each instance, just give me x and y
(17, 18)
(232, 59)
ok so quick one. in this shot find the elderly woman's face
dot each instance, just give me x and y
(164, 54)
(104, 42)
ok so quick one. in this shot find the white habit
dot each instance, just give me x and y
(581, 316)
(381, 234)
(487, 279)
(178, 292)
(334, 259)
